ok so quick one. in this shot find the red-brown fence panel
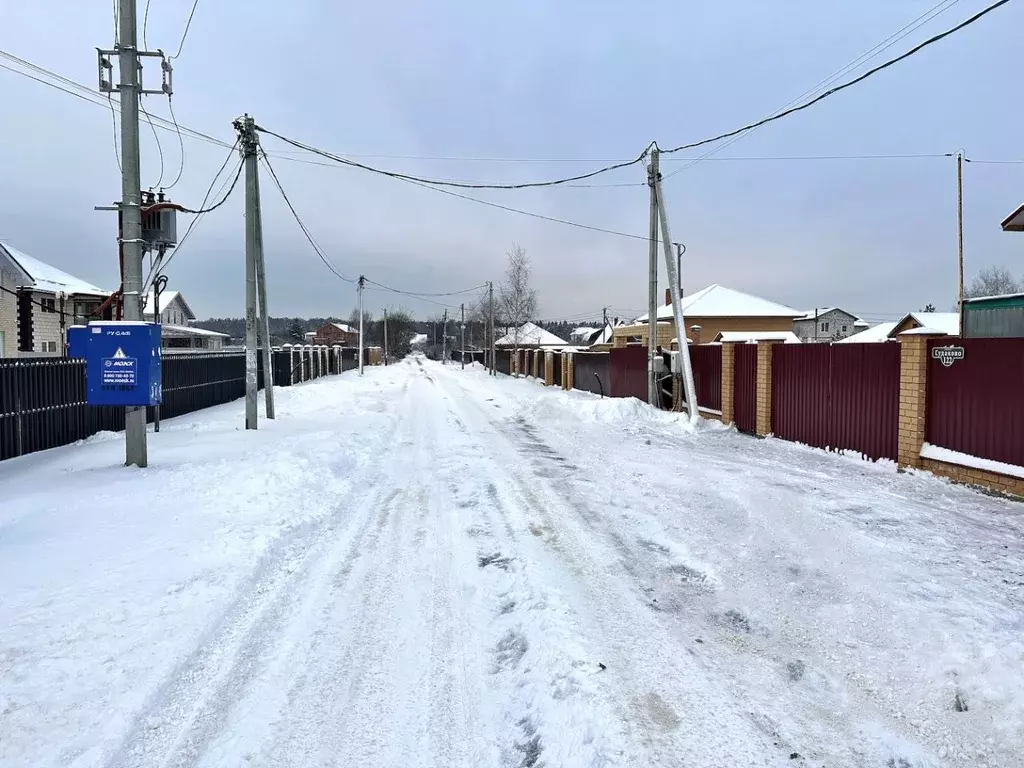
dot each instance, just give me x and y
(800, 393)
(629, 372)
(864, 407)
(592, 372)
(707, 375)
(744, 393)
(976, 404)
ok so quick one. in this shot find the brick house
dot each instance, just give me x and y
(709, 312)
(336, 333)
(38, 303)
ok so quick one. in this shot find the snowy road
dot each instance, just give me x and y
(429, 567)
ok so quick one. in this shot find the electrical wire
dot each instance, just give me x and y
(457, 184)
(156, 138)
(836, 89)
(181, 144)
(113, 120)
(184, 34)
(414, 293)
(421, 298)
(302, 226)
(145, 26)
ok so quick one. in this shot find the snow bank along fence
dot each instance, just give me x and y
(949, 405)
(43, 399)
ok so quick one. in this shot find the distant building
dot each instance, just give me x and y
(176, 329)
(828, 324)
(938, 323)
(754, 337)
(989, 317)
(38, 303)
(336, 333)
(530, 335)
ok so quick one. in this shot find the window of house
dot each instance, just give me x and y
(824, 326)
(48, 305)
(48, 346)
(844, 329)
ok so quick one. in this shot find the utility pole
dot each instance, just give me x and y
(604, 320)
(689, 387)
(463, 310)
(261, 291)
(249, 144)
(385, 337)
(960, 229)
(158, 287)
(444, 339)
(490, 298)
(361, 281)
(653, 395)
(680, 250)
(130, 209)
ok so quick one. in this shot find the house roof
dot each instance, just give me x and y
(530, 335)
(752, 337)
(181, 330)
(946, 322)
(719, 301)
(344, 328)
(166, 299)
(825, 310)
(1015, 221)
(875, 333)
(48, 279)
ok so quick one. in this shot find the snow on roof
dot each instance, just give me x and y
(810, 315)
(875, 333)
(419, 338)
(752, 337)
(719, 301)
(945, 322)
(530, 335)
(345, 328)
(50, 279)
(181, 330)
(995, 296)
(166, 298)
(924, 330)
(861, 324)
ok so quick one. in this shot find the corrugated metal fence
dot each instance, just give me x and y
(592, 371)
(744, 392)
(707, 375)
(976, 404)
(628, 373)
(838, 396)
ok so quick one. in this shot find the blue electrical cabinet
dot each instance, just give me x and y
(78, 341)
(123, 364)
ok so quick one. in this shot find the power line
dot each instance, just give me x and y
(113, 120)
(414, 296)
(305, 230)
(188, 25)
(145, 26)
(159, 148)
(457, 184)
(414, 293)
(181, 144)
(831, 91)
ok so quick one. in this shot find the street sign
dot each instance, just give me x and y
(948, 355)
(123, 364)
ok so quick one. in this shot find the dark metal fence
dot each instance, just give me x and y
(839, 396)
(975, 404)
(745, 387)
(707, 374)
(43, 400)
(592, 371)
(556, 361)
(628, 372)
(504, 358)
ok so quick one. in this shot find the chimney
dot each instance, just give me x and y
(668, 296)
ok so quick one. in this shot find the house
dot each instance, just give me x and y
(707, 313)
(336, 333)
(939, 323)
(582, 335)
(530, 335)
(989, 317)
(38, 303)
(828, 324)
(176, 331)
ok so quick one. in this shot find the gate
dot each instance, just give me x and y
(707, 375)
(800, 384)
(744, 391)
(628, 373)
(591, 372)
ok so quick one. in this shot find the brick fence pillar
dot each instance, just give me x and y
(764, 388)
(913, 398)
(549, 369)
(567, 374)
(728, 383)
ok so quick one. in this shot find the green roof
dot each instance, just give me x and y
(1009, 301)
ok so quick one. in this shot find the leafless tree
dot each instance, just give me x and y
(517, 297)
(993, 281)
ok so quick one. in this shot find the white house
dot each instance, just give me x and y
(827, 324)
(175, 317)
(38, 303)
(529, 335)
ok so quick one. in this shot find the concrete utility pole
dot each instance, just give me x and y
(462, 308)
(130, 210)
(689, 387)
(604, 320)
(653, 396)
(444, 339)
(158, 287)
(249, 144)
(960, 229)
(261, 291)
(361, 281)
(490, 298)
(385, 337)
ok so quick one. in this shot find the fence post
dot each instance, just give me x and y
(764, 387)
(728, 382)
(569, 370)
(549, 369)
(913, 398)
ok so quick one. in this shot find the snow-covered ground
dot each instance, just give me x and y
(432, 567)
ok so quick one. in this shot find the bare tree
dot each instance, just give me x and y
(517, 297)
(993, 281)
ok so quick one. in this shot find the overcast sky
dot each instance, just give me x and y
(587, 80)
